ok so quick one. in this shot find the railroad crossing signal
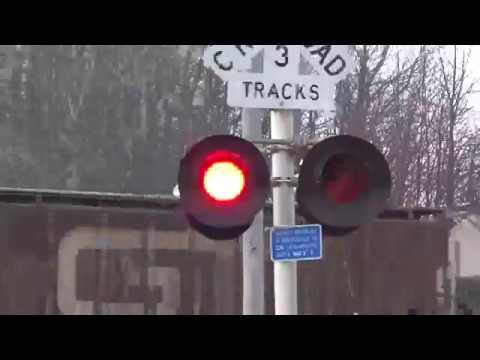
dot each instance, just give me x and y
(224, 181)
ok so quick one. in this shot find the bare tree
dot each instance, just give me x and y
(456, 89)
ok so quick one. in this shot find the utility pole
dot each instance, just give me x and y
(253, 240)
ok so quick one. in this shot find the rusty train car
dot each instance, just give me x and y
(90, 253)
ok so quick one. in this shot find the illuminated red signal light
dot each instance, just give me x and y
(223, 182)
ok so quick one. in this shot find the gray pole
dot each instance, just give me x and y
(253, 241)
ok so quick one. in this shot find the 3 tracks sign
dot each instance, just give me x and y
(291, 76)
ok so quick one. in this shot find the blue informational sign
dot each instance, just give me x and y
(295, 243)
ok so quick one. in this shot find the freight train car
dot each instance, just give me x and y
(92, 253)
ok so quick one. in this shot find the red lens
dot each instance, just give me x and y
(223, 179)
(344, 179)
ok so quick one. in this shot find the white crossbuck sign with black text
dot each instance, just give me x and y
(292, 76)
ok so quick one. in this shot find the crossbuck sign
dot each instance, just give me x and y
(293, 76)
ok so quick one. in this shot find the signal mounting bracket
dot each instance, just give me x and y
(277, 181)
(273, 146)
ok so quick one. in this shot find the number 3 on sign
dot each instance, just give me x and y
(282, 51)
(282, 60)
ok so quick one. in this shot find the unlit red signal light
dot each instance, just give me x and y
(344, 179)
(343, 183)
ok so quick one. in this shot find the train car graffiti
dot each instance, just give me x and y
(99, 254)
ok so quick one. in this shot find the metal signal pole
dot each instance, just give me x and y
(285, 273)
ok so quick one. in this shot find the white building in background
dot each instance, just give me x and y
(464, 251)
(467, 236)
